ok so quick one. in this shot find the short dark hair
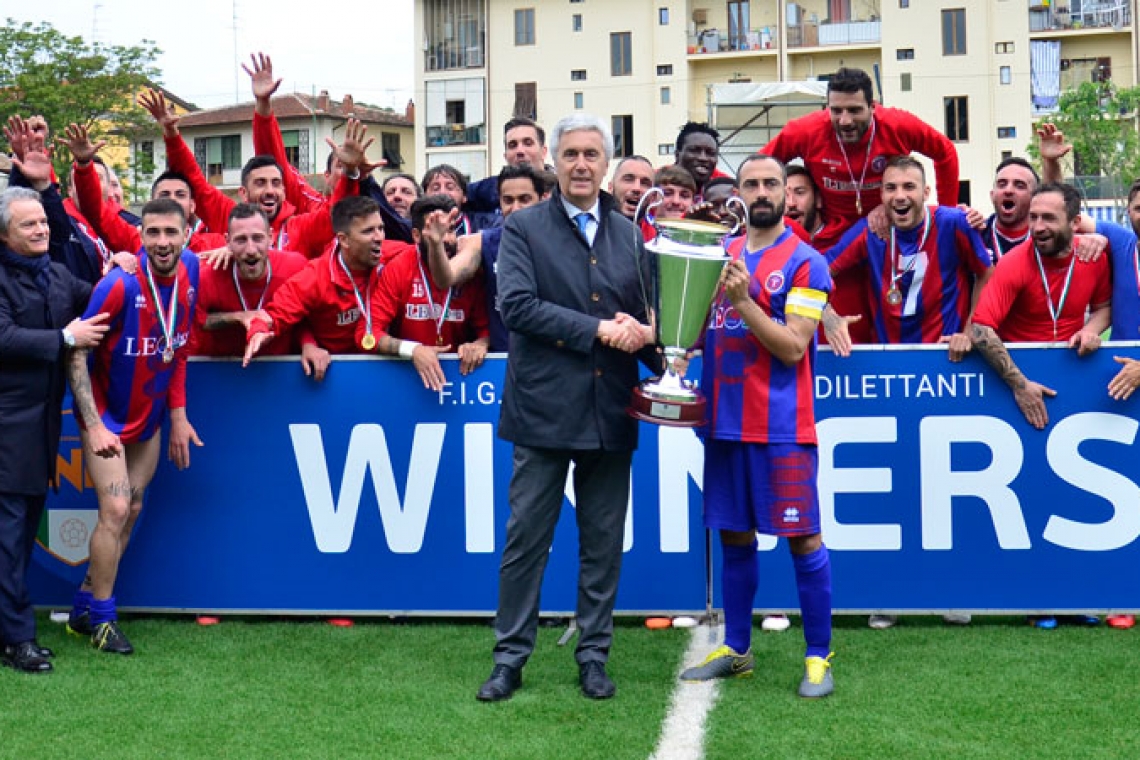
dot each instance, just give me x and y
(259, 162)
(799, 170)
(851, 81)
(762, 157)
(171, 175)
(247, 211)
(1069, 194)
(350, 208)
(522, 171)
(1135, 188)
(1017, 161)
(905, 162)
(459, 177)
(522, 121)
(718, 181)
(408, 177)
(692, 128)
(634, 157)
(677, 175)
(429, 203)
(163, 206)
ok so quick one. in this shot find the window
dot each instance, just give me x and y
(576, 22)
(739, 23)
(666, 96)
(621, 53)
(579, 101)
(623, 136)
(957, 118)
(524, 26)
(1005, 75)
(954, 32)
(904, 3)
(904, 82)
(964, 192)
(454, 34)
(456, 112)
(663, 16)
(526, 100)
(145, 151)
(665, 149)
(1007, 133)
(1002, 48)
(1006, 154)
(904, 54)
(390, 149)
(664, 69)
(297, 148)
(578, 75)
(217, 155)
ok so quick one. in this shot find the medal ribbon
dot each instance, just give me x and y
(268, 279)
(166, 322)
(1055, 310)
(863, 173)
(431, 303)
(896, 275)
(364, 310)
(997, 237)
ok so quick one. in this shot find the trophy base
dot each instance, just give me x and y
(672, 406)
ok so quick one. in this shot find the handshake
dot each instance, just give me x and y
(625, 333)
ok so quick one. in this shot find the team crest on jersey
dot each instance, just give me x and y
(774, 282)
(878, 163)
(190, 292)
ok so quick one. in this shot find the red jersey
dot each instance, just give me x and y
(117, 233)
(308, 233)
(86, 228)
(932, 267)
(267, 142)
(218, 292)
(1016, 305)
(408, 305)
(130, 381)
(322, 295)
(753, 396)
(841, 179)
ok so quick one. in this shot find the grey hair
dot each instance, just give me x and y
(579, 122)
(10, 196)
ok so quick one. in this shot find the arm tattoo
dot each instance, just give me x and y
(386, 344)
(830, 318)
(990, 346)
(80, 380)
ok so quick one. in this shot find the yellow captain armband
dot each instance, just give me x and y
(805, 302)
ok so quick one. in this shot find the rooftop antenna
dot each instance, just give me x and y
(95, 21)
(237, 60)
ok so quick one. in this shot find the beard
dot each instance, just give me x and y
(764, 215)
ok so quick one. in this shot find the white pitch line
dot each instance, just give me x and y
(683, 732)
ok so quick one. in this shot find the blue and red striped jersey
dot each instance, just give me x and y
(935, 265)
(132, 385)
(753, 396)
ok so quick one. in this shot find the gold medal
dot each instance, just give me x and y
(369, 342)
(894, 296)
(168, 355)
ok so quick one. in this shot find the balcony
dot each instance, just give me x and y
(445, 57)
(1106, 14)
(714, 41)
(456, 134)
(813, 34)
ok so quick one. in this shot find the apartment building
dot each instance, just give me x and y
(982, 71)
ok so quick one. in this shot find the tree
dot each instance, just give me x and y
(1100, 121)
(68, 80)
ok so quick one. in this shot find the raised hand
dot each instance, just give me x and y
(352, 151)
(154, 102)
(261, 79)
(1051, 142)
(78, 141)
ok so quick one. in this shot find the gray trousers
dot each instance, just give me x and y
(601, 488)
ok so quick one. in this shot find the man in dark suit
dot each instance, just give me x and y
(573, 292)
(39, 305)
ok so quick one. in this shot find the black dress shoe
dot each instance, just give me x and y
(595, 683)
(26, 658)
(501, 684)
(44, 651)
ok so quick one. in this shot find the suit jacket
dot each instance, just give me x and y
(564, 388)
(32, 357)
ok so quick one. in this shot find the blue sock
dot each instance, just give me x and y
(813, 581)
(103, 610)
(740, 576)
(81, 602)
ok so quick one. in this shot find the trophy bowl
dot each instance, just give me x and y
(690, 257)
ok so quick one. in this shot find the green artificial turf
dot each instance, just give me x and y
(253, 688)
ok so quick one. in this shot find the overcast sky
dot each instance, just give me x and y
(362, 47)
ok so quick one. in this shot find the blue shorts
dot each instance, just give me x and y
(769, 488)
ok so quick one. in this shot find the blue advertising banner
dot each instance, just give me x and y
(369, 494)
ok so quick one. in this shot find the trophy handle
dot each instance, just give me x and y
(741, 215)
(649, 206)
